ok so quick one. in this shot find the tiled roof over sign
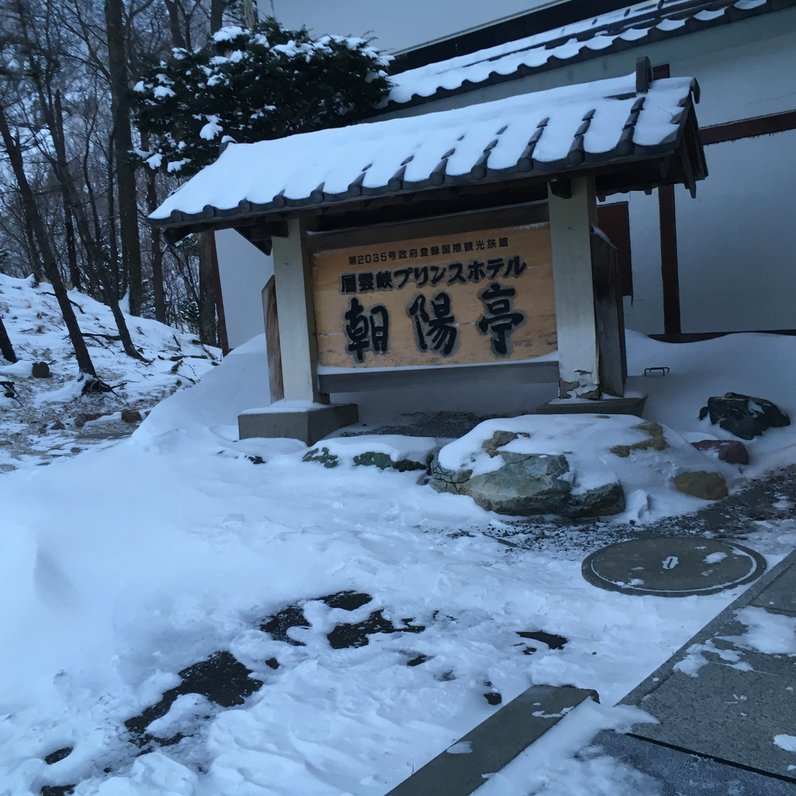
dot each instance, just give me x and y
(632, 26)
(603, 126)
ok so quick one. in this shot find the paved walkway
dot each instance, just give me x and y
(728, 696)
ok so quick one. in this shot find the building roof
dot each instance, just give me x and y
(632, 26)
(628, 132)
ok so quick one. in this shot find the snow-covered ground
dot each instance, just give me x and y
(121, 567)
(38, 425)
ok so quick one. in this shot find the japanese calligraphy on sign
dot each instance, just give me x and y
(484, 296)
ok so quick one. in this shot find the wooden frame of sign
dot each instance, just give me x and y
(465, 290)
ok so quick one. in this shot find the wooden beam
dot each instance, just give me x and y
(670, 271)
(748, 128)
(223, 339)
(273, 347)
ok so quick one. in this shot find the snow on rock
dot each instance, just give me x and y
(600, 450)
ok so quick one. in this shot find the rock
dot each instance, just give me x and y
(40, 370)
(528, 484)
(322, 456)
(131, 416)
(744, 415)
(727, 450)
(384, 462)
(499, 439)
(701, 484)
(84, 417)
(57, 426)
(655, 442)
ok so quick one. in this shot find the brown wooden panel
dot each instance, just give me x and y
(452, 299)
(614, 220)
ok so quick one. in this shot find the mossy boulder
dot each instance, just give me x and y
(527, 485)
(322, 456)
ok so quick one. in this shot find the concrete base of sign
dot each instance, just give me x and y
(629, 405)
(307, 422)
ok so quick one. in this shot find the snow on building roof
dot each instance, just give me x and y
(604, 127)
(640, 24)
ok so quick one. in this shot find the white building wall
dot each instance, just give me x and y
(243, 270)
(744, 69)
(734, 239)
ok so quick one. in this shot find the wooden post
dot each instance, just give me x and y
(273, 348)
(293, 276)
(572, 213)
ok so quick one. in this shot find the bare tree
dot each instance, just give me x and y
(14, 152)
(6, 349)
(123, 145)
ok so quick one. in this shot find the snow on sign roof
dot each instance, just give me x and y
(604, 125)
(632, 26)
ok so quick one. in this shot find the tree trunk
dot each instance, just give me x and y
(173, 7)
(6, 349)
(216, 15)
(107, 278)
(156, 239)
(249, 14)
(123, 145)
(69, 229)
(48, 257)
(32, 251)
(207, 289)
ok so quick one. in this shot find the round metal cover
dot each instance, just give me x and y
(672, 566)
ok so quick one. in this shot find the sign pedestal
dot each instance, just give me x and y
(306, 423)
(629, 405)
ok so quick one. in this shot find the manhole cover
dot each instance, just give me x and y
(672, 566)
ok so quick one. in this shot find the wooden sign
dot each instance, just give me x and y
(480, 296)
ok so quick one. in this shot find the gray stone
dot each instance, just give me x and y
(701, 484)
(383, 462)
(726, 450)
(528, 484)
(307, 425)
(744, 415)
(460, 769)
(40, 370)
